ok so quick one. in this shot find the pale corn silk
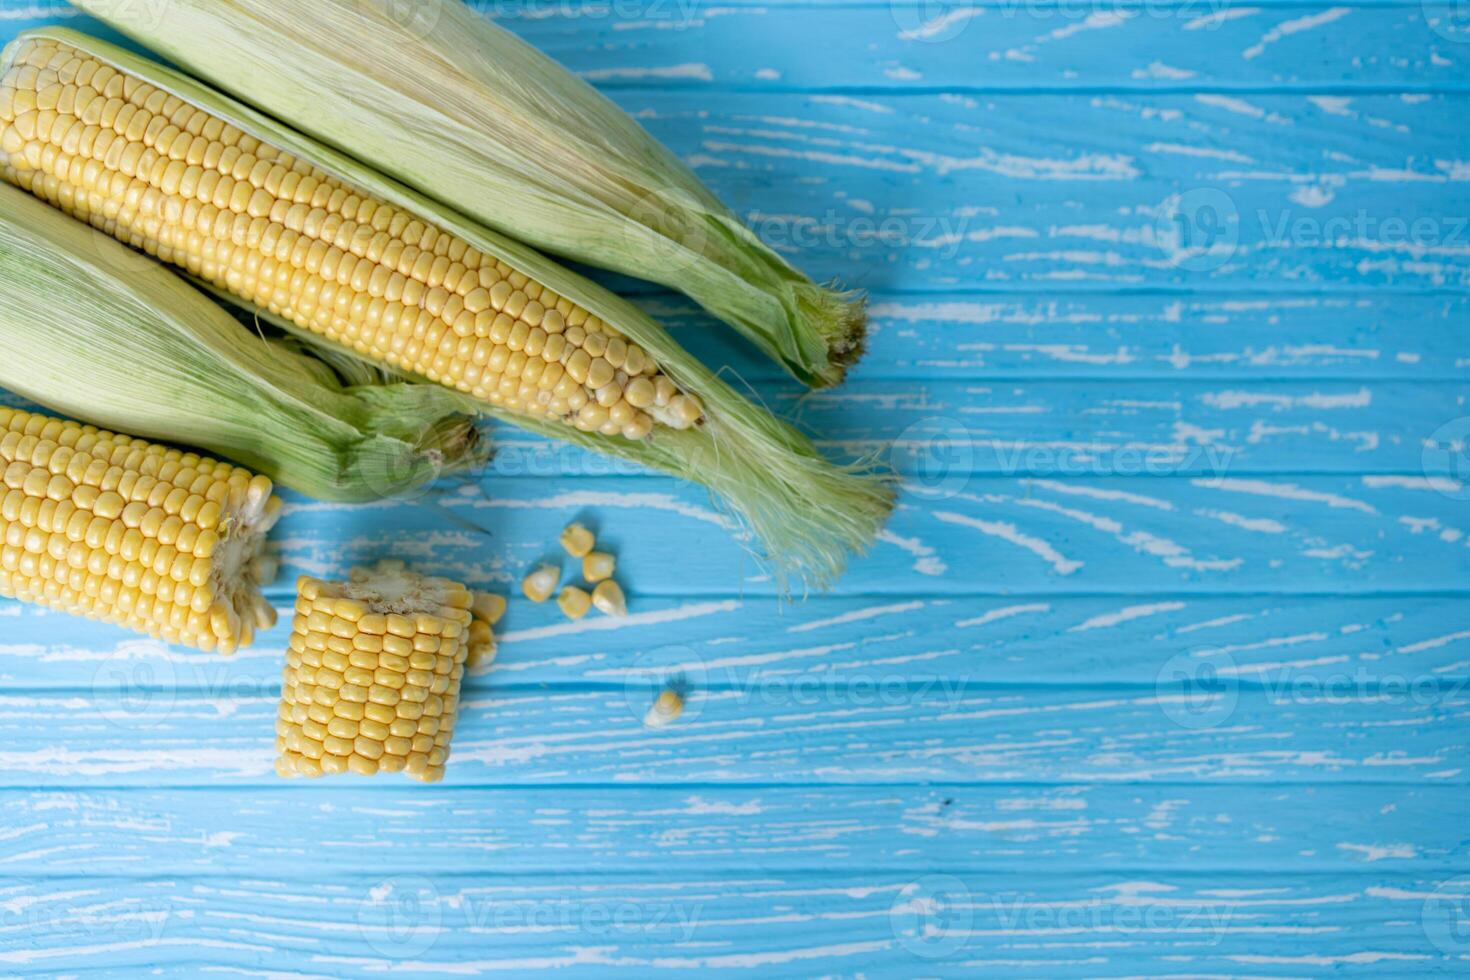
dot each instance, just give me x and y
(458, 108)
(157, 540)
(805, 513)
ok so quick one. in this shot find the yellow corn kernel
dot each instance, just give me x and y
(598, 566)
(577, 540)
(574, 602)
(609, 600)
(541, 582)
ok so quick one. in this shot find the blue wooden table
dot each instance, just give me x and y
(1160, 668)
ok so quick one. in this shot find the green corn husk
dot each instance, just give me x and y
(438, 97)
(807, 512)
(100, 333)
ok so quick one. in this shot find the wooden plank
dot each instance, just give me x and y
(1317, 829)
(1002, 47)
(1075, 335)
(1052, 191)
(767, 647)
(957, 535)
(1192, 725)
(319, 924)
(1125, 336)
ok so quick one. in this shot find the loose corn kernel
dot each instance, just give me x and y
(577, 540)
(665, 710)
(609, 600)
(378, 701)
(598, 566)
(107, 554)
(574, 602)
(541, 582)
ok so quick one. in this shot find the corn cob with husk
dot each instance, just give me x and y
(332, 249)
(437, 96)
(95, 331)
(113, 528)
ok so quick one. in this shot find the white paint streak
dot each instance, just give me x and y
(1125, 615)
(858, 614)
(1288, 27)
(1282, 491)
(1007, 531)
(1004, 612)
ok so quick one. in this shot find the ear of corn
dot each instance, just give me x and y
(372, 674)
(110, 527)
(442, 99)
(98, 332)
(347, 257)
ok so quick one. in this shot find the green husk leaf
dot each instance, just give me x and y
(807, 512)
(105, 335)
(440, 98)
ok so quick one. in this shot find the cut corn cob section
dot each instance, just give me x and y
(804, 513)
(373, 672)
(184, 186)
(113, 528)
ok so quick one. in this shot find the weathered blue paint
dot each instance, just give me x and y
(1160, 669)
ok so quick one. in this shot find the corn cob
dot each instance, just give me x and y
(372, 674)
(116, 529)
(444, 100)
(163, 361)
(181, 185)
(154, 176)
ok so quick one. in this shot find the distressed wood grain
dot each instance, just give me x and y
(606, 830)
(936, 924)
(1161, 668)
(1010, 46)
(757, 643)
(1192, 725)
(1122, 336)
(958, 533)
